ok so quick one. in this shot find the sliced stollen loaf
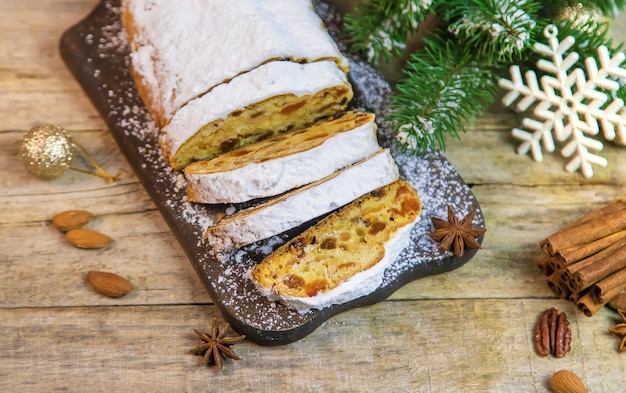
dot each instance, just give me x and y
(283, 162)
(181, 50)
(275, 97)
(344, 256)
(303, 204)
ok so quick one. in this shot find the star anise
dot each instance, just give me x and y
(456, 235)
(216, 345)
(620, 330)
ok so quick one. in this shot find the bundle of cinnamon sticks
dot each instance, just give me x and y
(585, 262)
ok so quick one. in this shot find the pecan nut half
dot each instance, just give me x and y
(553, 334)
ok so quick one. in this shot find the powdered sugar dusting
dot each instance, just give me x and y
(104, 54)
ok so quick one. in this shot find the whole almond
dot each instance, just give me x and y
(109, 284)
(87, 238)
(564, 381)
(71, 219)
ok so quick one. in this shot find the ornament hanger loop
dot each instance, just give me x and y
(99, 171)
(47, 151)
(551, 31)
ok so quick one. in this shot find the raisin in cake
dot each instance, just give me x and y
(299, 206)
(284, 162)
(343, 256)
(275, 97)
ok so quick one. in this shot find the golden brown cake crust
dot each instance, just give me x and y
(281, 145)
(340, 246)
(253, 123)
(144, 90)
(303, 204)
(283, 162)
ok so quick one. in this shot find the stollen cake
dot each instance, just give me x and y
(299, 206)
(284, 162)
(275, 97)
(344, 256)
(182, 50)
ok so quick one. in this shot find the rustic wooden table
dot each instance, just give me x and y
(469, 330)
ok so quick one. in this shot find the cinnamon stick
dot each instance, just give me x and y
(574, 254)
(610, 208)
(607, 288)
(570, 271)
(557, 286)
(574, 297)
(595, 225)
(567, 274)
(597, 271)
(588, 305)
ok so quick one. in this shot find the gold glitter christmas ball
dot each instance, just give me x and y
(46, 151)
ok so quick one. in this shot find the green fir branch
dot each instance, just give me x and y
(443, 90)
(379, 29)
(497, 30)
(454, 78)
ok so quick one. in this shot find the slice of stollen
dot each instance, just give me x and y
(275, 97)
(284, 162)
(344, 256)
(303, 204)
(181, 50)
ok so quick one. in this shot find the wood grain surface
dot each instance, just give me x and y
(469, 330)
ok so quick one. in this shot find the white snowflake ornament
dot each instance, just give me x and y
(569, 106)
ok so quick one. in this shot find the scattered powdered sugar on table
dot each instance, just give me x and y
(434, 178)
